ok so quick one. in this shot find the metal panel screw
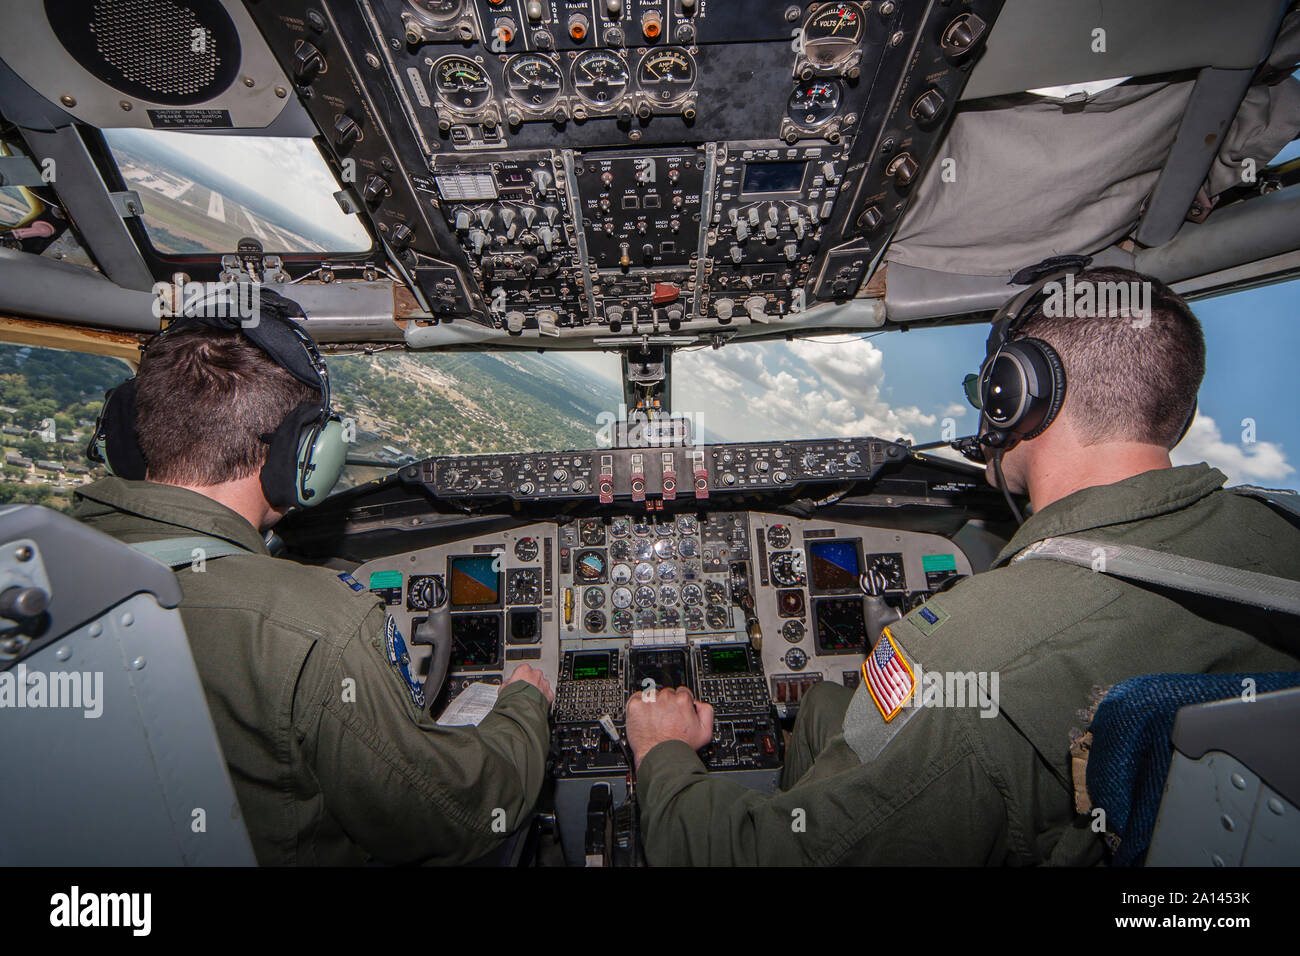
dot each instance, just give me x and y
(1238, 781)
(23, 553)
(138, 663)
(63, 653)
(128, 619)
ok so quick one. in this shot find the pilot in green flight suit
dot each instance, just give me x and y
(332, 760)
(955, 746)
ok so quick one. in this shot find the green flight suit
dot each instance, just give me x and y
(963, 784)
(332, 761)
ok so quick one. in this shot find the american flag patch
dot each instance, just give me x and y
(888, 675)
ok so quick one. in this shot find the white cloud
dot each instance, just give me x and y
(803, 389)
(1260, 462)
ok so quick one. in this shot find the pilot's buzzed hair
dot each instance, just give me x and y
(1130, 376)
(203, 398)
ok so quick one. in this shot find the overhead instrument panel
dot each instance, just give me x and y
(629, 167)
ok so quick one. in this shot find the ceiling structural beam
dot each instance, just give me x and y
(1213, 105)
(41, 288)
(90, 206)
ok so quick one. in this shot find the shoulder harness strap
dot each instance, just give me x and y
(1171, 571)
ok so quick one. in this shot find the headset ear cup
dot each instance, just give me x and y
(279, 475)
(322, 454)
(1051, 391)
(120, 444)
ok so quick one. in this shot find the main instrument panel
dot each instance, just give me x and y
(748, 609)
(628, 167)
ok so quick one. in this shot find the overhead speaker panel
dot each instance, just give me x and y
(151, 64)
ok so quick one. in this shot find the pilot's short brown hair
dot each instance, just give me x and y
(1128, 377)
(203, 398)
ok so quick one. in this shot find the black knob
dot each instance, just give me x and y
(308, 63)
(927, 106)
(962, 34)
(903, 169)
(376, 189)
(18, 603)
(346, 131)
(870, 218)
(401, 236)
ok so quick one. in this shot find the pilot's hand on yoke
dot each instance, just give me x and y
(667, 715)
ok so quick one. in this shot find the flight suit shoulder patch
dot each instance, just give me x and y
(928, 618)
(889, 676)
(400, 660)
(351, 582)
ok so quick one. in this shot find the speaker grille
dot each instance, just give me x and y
(173, 53)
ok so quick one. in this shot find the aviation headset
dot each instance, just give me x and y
(305, 453)
(1021, 385)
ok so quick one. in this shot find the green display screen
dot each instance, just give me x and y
(591, 667)
(729, 660)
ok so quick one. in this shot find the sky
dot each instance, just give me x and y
(903, 384)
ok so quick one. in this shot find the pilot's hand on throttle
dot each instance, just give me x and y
(531, 675)
(667, 715)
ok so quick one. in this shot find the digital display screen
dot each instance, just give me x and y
(475, 641)
(591, 667)
(665, 668)
(840, 626)
(834, 566)
(773, 177)
(728, 660)
(474, 582)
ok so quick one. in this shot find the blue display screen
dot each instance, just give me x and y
(833, 566)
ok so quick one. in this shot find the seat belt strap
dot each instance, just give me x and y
(1171, 571)
(179, 552)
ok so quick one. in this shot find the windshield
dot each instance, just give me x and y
(908, 385)
(408, 406)
(202, 194)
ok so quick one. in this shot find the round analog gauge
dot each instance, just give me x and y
(600, 77)
(461, 83)
(669, 617)
(714, 592)
(620, 528)
(622, 621)
(665, 530)
(793, 631)
(687, 548)
(594, 621)
(524, 586)
(640, 528)
(644, 550)
(787, 569)
(621, 551)
(668, 594)
(644, 596)
(692, 595)
(717, 618)
(533, 80)
(796, 659)
(667, 572)
(621, 598)
(884, 573)
(644, 573)
(436, 11)
(814, 103)
(591, 531)
(694, 619)
(832, 33)
(589, 566)
(526, 549)
(620, 574)
(666, 75)
(647, 618)
(593, 597)
(778, 536)
(664, 548)
(686, 524)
